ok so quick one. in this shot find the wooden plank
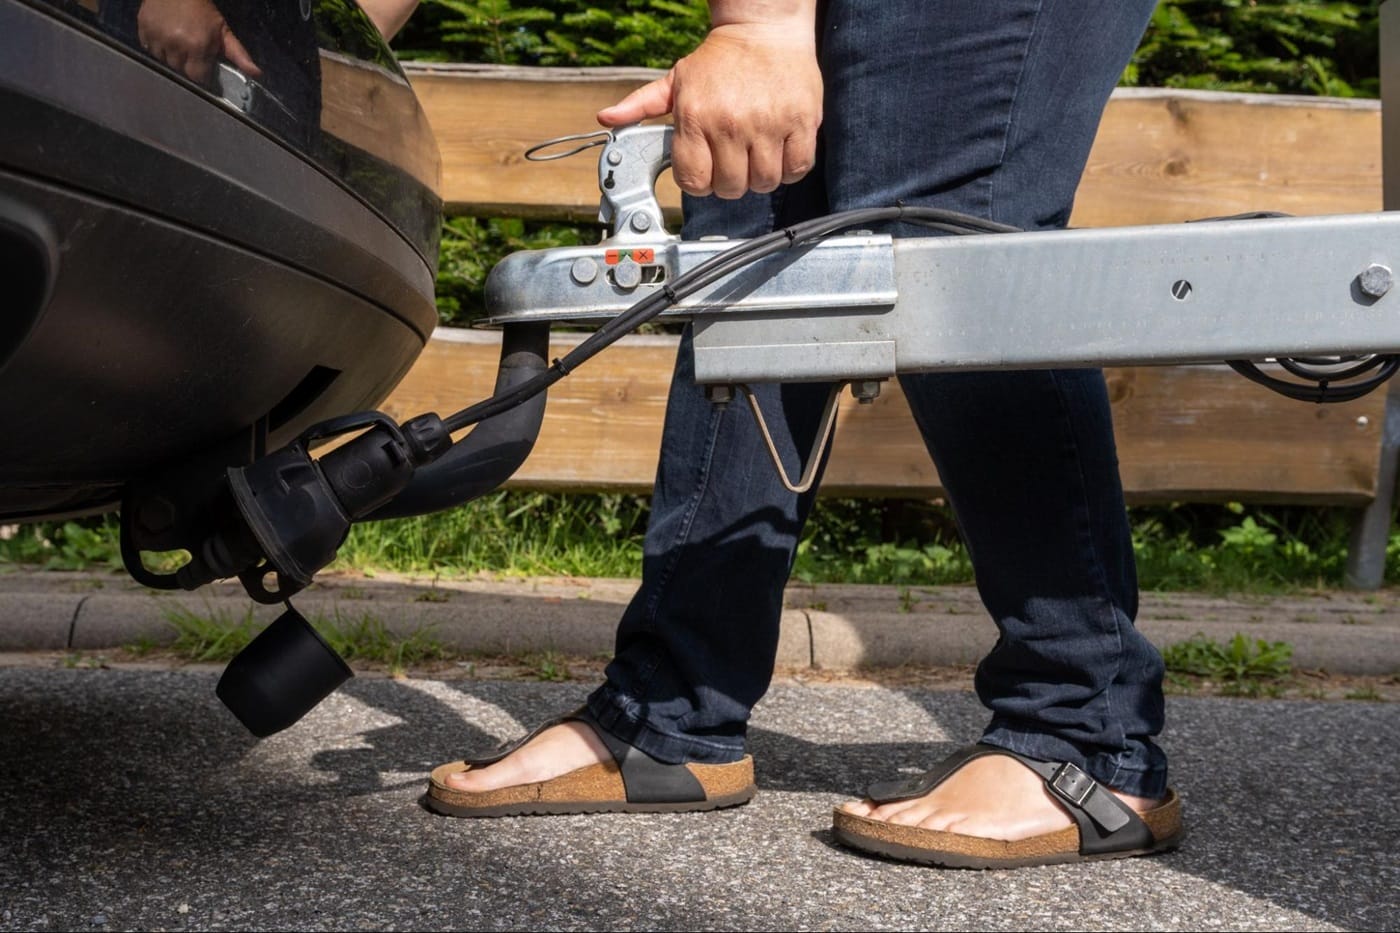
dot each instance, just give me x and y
(1161, 155)
(1197, 433)
(486, 116)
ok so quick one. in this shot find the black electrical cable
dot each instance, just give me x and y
(1324, 382)
(705, 274)
(1319, 389)
(1316, 369)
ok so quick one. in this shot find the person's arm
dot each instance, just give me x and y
(747, 103)
(388, 16)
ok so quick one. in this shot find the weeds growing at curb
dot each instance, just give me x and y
(1238, 667)
(217, 636)
(548, 666)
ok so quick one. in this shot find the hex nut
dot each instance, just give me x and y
(1376, 280)
(866, 390)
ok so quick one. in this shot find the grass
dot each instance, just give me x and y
(217, 637)
(1184, 547)
(509, 533)
(1238, 667)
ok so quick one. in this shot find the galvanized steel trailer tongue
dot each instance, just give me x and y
(861, 306)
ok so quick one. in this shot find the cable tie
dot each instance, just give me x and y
(559, 365)
(670, 293)
(791, 235)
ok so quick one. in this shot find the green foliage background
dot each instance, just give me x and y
(1304, 47)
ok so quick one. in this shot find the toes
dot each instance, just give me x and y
(905, 812)
(920, 813)
(859, 807)
(458, 780)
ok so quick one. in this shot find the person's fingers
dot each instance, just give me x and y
(765, 168)
(649, 100)
(691, 161)
(799, 155)
(729, 157)
(198, 67)
(238, 55)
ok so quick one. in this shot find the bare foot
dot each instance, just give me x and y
(555, 751)
(992, 797)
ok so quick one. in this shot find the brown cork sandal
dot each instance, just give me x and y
(1105, 827)
(633, 782)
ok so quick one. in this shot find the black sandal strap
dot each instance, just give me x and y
(645, 779)
(482, 759)
(1106, 824)
(909, 788)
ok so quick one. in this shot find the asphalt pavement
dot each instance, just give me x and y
(131, 799)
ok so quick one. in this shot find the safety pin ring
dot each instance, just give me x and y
(597, 138)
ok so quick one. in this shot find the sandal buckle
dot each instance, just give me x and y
(1071, 783)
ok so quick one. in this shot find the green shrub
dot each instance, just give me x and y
(1300, 47)
(1307, 47)
(647, 33)
(471, 246)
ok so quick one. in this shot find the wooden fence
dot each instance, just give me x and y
(1185, 433)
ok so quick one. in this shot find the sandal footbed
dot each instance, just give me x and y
(935, 847)
(596, 788)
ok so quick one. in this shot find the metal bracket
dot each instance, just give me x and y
(814, 459)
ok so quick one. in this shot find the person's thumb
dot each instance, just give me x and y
(649, 100)
(238, 55)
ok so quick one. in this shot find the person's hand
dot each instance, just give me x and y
(191, 37)
(747, 104)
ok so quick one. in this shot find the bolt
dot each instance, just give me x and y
(614, 157)
(866, 391)
(1376, 280)
(627, 274)
(719, 395)
(584, 270)
(1181, 289)
(641, 222)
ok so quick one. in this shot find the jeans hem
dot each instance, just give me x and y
(1140, 773)
(618, 714)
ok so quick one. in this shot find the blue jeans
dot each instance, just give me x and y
(988, 108)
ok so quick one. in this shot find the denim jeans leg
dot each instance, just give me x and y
(696, 646)
(995, 116)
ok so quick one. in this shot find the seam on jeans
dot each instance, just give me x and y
(692, 508)
(1096, 560)
(1011, 110)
